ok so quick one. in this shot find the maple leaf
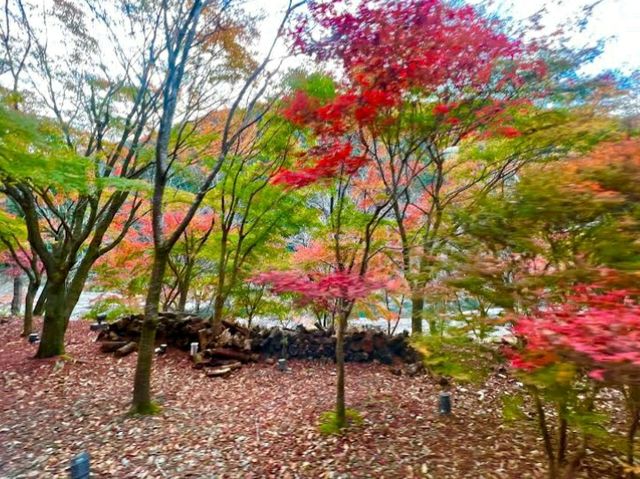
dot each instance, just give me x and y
(596, 329)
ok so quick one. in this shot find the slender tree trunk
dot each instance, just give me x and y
(182, 298)
(184, 288)
(16, 301)
(38, 309)
(27, 325)
(634, 425)
(548, 443)
(218, 308)
(73, 295)
(417, 306)
(562, 440)
(425, 268)
(434, 329)
(142, 403)
(341, 420)
(55, 321)
(218, 303)
(631, 435)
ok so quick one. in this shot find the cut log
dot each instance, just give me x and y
(236, 328)
(234, 365)
(126, 349)
(103, 335)
(111, 346)
(367, 343)
(224, 339)
(227, 340)
(222, 371)
(205, 337)
(228, 353)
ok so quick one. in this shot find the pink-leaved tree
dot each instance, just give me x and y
(337, 291)
(594, 332)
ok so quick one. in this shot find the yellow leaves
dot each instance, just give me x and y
(565, 373)
(422, 348)
(231, 38)
(10, 225)
(174, 195)
(373, 310)
(628, 469)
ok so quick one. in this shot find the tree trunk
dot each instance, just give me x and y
(16, 301)
(55, 321)
(218, 303)
(38, 309)
(417, 307)
(228, 354)
(184, 288)
(631, 435)
(341, 420)
(182, 298)
(62, 295)
(544, 429)
(634, 424)
(142, 403)
(218, 307)
(562, 436)
(27, 325)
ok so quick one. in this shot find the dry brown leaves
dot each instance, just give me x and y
(259, 423)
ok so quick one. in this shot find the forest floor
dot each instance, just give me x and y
(258, 423)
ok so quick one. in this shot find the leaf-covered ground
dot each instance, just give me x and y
(259, 423)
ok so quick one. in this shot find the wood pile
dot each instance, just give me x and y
(224, 347)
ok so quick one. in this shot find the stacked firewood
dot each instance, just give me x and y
(225, 346)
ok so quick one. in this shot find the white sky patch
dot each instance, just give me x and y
(617, 21)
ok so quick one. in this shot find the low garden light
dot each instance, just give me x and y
(80, 466)
(444, 403)
(194, 349)
(282, 365)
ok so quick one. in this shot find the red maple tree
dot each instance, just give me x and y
(394, 54)
(599, 330)
(320, 288)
